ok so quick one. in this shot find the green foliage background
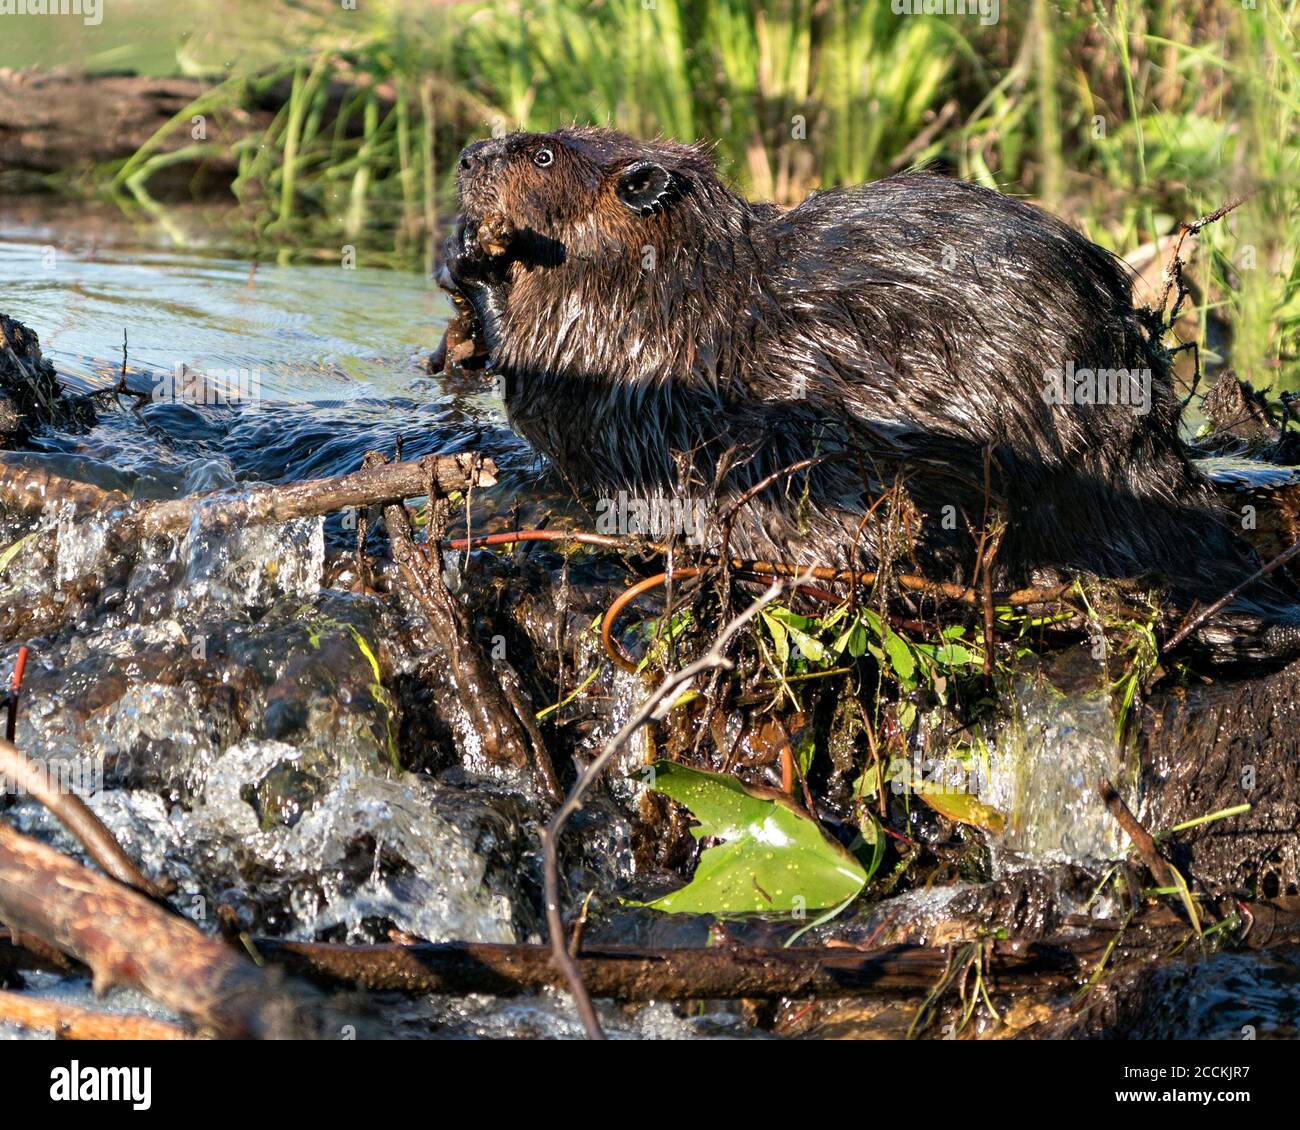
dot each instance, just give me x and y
(1124, 117)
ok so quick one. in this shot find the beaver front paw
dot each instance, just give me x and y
(475, 252)
(474, 266)
(465, 263)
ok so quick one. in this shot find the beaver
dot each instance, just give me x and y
(658, 334)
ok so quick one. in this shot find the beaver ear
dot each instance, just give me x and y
(644, 187)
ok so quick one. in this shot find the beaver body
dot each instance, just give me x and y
(662, 336)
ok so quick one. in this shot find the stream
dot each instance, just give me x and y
(241, 721)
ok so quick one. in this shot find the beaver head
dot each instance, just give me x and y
(581, 190)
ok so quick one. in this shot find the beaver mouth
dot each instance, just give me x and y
(475, 203)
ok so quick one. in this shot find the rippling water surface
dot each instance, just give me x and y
(335, 357)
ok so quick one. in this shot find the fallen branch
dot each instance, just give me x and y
(71, 1022)
(127, 939)
(29, 490)
(314, 497)
(72, 812)
(501, 720)
(628, 973)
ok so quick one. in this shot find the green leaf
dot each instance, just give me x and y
(773, 860)
(962, 807)
(779, 638)
(873, 834)
(812, 649)
(9, 554)
(906, 712)
(955, 655)
(853, 640)
(1189, 903)
(805, 750)
(901, 658)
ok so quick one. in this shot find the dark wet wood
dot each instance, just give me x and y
(499, 714)
(1212, 747)
(129, 940)
(735, 972)
(625, 974)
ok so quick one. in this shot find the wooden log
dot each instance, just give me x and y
(45, 126)
(628, 973)
(127, 939)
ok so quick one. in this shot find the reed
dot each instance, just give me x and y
(1124, 116)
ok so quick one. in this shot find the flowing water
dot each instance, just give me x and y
(227, 703)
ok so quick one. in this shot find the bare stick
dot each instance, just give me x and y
(127, 939)
(627, 973)
(71, 1022)
(1173, 270)
(1227, 598)
(72, 812)
(714, 659)
(1141, 838)
(632, 973)
(30, 489)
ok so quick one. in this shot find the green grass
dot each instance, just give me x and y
(1124, 116)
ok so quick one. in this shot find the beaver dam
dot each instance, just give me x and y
(308, 663)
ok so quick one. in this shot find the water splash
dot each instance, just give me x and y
(1047, 757)
(248, 567)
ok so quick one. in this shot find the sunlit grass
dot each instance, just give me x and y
(1125, 116)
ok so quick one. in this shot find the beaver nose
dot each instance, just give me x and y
(480, 152)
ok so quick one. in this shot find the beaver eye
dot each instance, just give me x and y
(543, 157)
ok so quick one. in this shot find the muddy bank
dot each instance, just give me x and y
(46, 131)
(45, 128)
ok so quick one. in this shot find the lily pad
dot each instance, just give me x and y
(774, 859)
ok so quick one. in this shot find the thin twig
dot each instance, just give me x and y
(714, 659)
(1174, 270)
(1142, 839)
(1228, 597)
(121, 387)
(72, 812)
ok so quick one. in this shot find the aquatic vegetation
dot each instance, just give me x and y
(772, 858)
